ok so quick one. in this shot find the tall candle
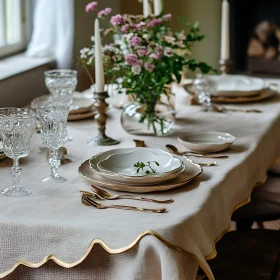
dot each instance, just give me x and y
(99, 71)
(225, 49)
(157, 7)
(147, 10)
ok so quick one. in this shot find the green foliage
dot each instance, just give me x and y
(139, 165)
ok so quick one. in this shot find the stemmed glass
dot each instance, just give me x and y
(61, 84)
(204, 87)
(53, 119)
(16, 129)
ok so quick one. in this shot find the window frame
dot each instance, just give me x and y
(25, 30)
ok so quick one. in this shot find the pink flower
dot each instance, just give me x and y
(90, 7)
(117, 20)
(139, 25)
(105, 12)
(149, 66)
(142, 51)
(124, 28)
(101, 14)
(154, 56)
(136, 69)
(167, 16)
(131, 59)
(168, 52)
(135, 41)
(159, 50)
(155, 22)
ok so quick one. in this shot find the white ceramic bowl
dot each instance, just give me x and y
(120, 168)
(206, 142)
(123, 163)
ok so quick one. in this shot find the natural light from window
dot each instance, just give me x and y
(12, 31)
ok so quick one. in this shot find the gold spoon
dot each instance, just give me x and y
(173, 149)
(88, 201)
(199, 163)
(105, 195)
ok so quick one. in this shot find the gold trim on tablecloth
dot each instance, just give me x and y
(121, 250)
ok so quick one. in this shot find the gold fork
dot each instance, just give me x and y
(86, 200)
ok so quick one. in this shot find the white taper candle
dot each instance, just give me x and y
(157, 7)
(225, 39)
(147, 9)
(99, 71)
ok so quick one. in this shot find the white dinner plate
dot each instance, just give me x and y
(124, 171)
(82, 116)
(191, 171)
(238, 85)
(206, 142)
(80, 103)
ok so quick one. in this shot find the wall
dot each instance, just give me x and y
(19, 90)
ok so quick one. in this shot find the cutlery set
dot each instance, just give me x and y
(98, 193)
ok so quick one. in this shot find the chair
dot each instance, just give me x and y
(264, 205)
(248, 255)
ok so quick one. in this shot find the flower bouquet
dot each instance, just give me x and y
(146, 59)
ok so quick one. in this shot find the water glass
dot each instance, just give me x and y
(204, 87)
(53, 120)
(61, 84)
(16, 129)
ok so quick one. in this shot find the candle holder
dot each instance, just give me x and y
(102, 139)
(225, 65)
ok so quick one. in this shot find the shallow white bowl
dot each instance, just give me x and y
(238, 85)
(176, 166)
(123, 163)
(207, 142)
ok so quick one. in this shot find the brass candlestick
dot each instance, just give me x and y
(102, 139)
(225, 66)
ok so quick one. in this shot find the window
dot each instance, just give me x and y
(13, 26)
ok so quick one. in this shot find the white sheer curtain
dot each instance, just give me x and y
(53, 31)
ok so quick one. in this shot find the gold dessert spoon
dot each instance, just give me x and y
(106, 195)
(86, 200)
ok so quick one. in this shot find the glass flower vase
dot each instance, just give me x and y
(150, 119)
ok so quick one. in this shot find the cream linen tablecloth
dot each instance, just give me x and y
(52, 221)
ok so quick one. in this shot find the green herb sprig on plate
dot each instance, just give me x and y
(141, 165)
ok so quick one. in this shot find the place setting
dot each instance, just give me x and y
(231, 89)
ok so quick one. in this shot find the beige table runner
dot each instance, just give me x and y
(52, 221)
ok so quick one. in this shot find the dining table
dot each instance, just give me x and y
(50, 234)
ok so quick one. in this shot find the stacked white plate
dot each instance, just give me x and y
(238, 85)
(81, 107)
(115, 169)
(119, 167)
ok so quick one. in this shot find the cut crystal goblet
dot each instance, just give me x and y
(53, 120)
(16, 129)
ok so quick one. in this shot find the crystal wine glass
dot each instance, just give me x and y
(205, 86)
(53, 119)
(61, 84)
(16, 129)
